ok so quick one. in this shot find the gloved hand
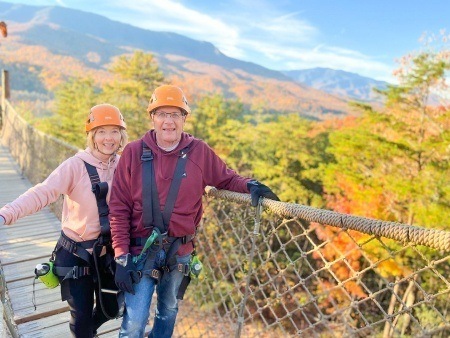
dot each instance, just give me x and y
(2, 220)
(258, 190)
(126, 273)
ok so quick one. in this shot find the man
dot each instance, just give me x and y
(157, 194)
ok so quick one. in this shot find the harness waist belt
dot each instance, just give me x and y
(140, 241)
(78, 248)
(67, 242)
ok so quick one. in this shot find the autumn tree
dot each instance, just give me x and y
(211, 114)
(73, 100)
(394, 163)
(287, 156)
(135, 78)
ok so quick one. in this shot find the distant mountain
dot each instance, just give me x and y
(98, 29)
(338, 82)
(46, 45)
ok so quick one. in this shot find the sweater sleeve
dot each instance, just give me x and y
(39, 196)
(121, 205)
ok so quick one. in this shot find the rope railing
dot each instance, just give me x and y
(404, 233)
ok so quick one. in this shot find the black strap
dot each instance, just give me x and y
(72, 272)
(78, 248)
(151, 209)
(140, 241)
(178, 175)
(100, 190)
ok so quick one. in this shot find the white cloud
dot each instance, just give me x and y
(287, 28)
(293, 57)
(255, 31)
(172, 16)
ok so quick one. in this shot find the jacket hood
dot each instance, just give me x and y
(87, 156)
(150, 139)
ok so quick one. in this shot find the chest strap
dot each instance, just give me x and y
(100, 190)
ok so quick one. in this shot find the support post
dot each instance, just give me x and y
(5, 93)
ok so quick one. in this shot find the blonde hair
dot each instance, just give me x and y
(91, 134)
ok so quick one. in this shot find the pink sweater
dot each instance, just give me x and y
(80, 220)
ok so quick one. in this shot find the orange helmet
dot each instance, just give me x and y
(104, 115)
(168, 95)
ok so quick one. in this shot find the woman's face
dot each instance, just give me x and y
(106, 141)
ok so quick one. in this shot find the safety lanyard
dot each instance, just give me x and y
(100, 190)
(151, 209)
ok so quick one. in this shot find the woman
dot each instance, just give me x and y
(82, 225)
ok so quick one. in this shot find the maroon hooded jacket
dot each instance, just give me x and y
(203, 168)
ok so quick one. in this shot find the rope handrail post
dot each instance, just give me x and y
(4, 94)
(255, 234)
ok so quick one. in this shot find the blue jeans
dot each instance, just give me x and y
(137, 306)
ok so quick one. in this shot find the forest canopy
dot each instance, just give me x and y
(390, 163)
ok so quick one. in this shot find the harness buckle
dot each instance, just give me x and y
(184, 268)
(147, 155)
(75, 273)
(187, 238)
(69, 246)
(80, 271)
(156, 274)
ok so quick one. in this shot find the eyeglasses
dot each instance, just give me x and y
(161, 115)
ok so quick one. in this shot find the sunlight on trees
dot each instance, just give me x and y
(135, 78)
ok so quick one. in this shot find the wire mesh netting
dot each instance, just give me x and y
(310, 280)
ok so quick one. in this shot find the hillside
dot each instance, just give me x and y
(46, 45)
(338, 82)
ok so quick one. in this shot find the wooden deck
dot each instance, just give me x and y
(23, 245)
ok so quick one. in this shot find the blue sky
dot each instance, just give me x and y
(360, 36)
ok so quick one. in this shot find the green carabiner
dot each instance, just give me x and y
(154, 235)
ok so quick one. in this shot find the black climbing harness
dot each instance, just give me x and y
(80, 249)
(100, 190)
(152, 217)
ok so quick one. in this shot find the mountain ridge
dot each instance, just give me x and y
(67, 35)
(338, 82)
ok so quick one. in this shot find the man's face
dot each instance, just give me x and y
(168, 123)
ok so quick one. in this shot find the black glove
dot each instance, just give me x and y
(258, 190)
(126, 273)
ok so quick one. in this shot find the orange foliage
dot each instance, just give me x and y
(340, 244)
(251, 89)
(356, 200)
(55, 68)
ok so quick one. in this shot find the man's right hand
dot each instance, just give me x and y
(126, 273)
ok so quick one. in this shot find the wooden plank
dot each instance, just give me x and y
(22, 270)
(57, 326)
(41, 221)
(25, 253)
(27, 241)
